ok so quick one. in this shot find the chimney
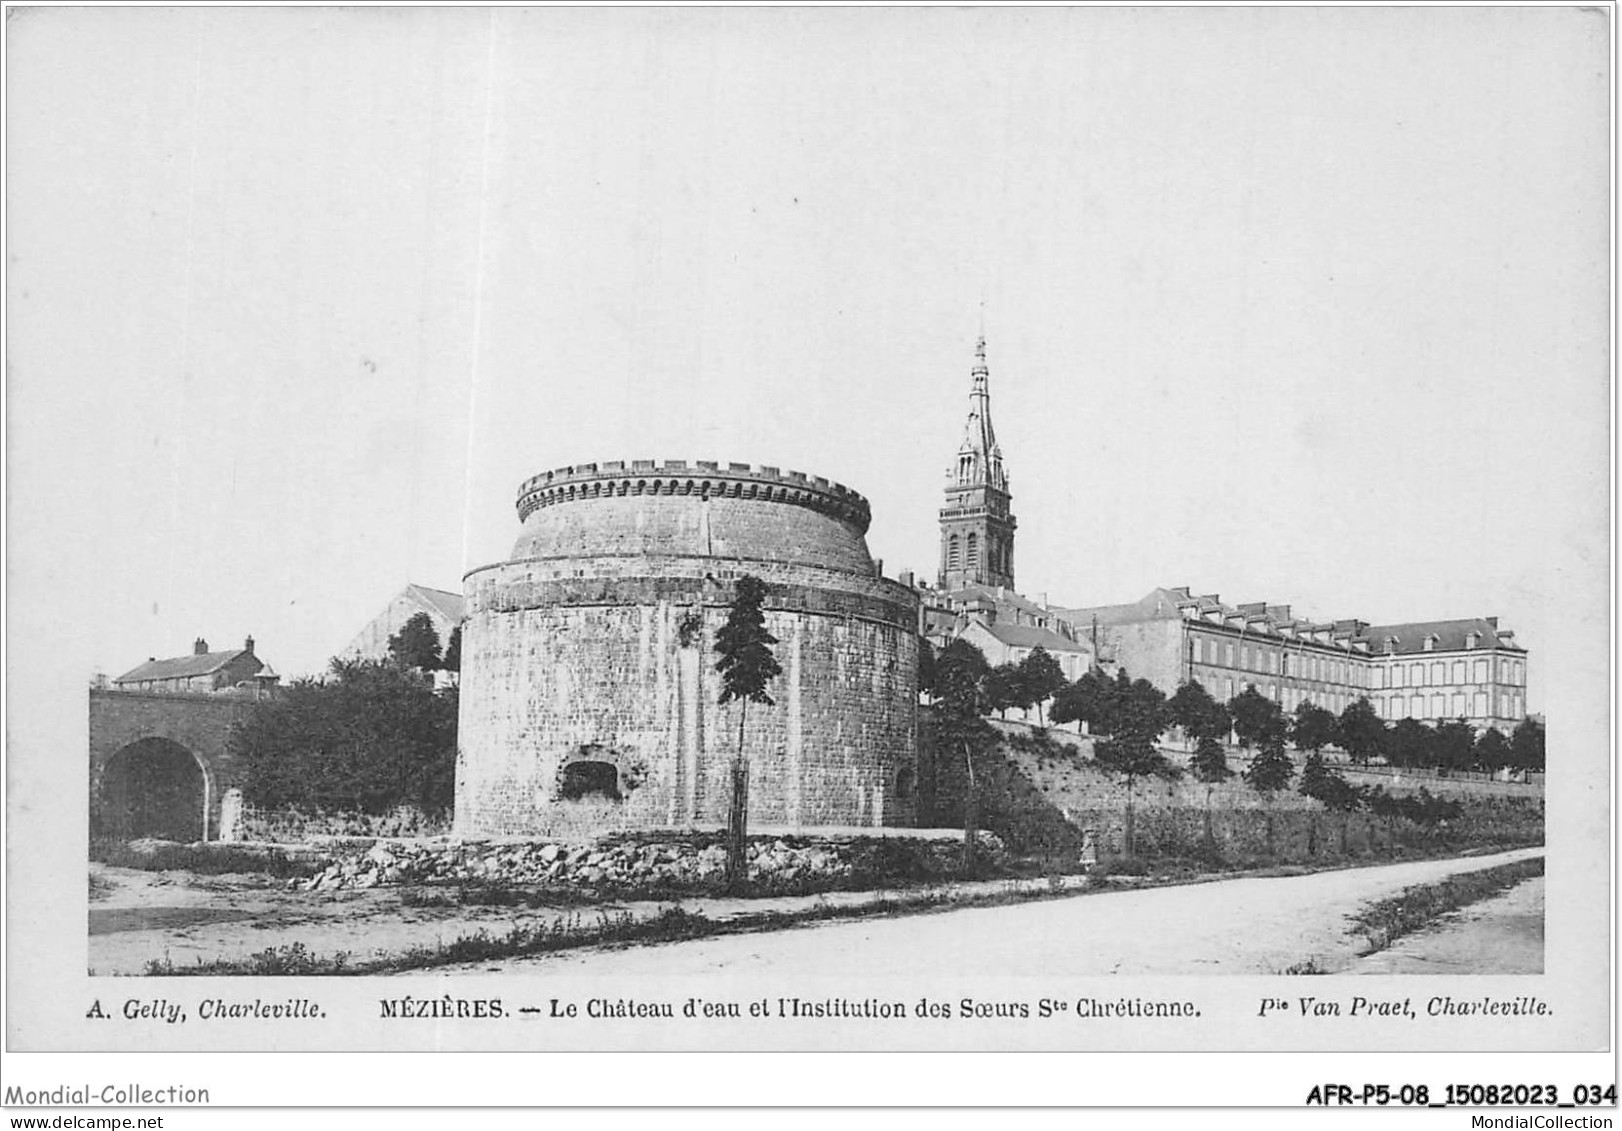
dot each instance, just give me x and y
(878, 567)
(200, 647)
(248, 646)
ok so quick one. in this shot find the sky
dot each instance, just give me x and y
(1303, 305)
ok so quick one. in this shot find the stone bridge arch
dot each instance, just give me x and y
(160, 763)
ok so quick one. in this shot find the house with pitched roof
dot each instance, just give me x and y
(445, 609)
(202, 671)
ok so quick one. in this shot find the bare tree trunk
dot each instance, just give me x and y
(1129, 846)
(971, 812)
(1210, 833)
(737, 869)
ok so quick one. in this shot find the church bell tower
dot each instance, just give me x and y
(977, 527)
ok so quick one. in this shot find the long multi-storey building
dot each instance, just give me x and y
(1467, 669)
(1434, 671)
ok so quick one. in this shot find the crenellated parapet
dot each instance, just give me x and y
(704, 479)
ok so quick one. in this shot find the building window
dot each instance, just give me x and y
(1458, 671)
(1458, 706)
(1480, 709)
(1230, 682)
(1436, 674)
(1230, 664)
(953, 553)
(1481, 671)
(1397, 672)
(1438, 707)
(974, 550)
(1416, 675)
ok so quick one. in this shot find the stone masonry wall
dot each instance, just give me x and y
(201, 723)
(546, 686)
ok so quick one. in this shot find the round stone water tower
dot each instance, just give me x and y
(589, 696)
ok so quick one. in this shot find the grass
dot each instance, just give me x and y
(208, 860)
(1414, 908)
(671, 925)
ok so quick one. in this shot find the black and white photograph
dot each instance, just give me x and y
(789, 530)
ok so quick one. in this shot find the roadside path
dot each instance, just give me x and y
(1502, 935)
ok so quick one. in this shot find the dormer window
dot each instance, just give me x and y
(1430, 642)
(1391, 646)
(1472, 639)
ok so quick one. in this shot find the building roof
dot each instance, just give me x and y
(1449, 635)
(1028, 636)
(1158, 603)
(183, 667)
(1168, 603)
(451, 606)
(1000, 596)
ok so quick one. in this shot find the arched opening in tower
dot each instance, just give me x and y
(585, 780)
(151, 788)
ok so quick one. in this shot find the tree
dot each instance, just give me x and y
(961, 675)
(416, 645)
(1331, 790)
(1004, 689)
(1409, 744)
(746, 666)
(1093, 699)
(1200, 716)
(371, 738)
(1313, 728)
(1130, 753)
(1318, 781)
(1271, 769)
(1209, 766)
(1526, 744)
(1453, 746)
(452, 660)
(926, 669)
(1492, 750)
(1040, 678)
(1257, 720)
(1360, 732)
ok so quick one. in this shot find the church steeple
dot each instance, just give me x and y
(977, 527)
(979, 458)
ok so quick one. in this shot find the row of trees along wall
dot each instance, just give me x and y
(1046, 793)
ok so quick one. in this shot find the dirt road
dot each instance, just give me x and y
(1245, 926)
